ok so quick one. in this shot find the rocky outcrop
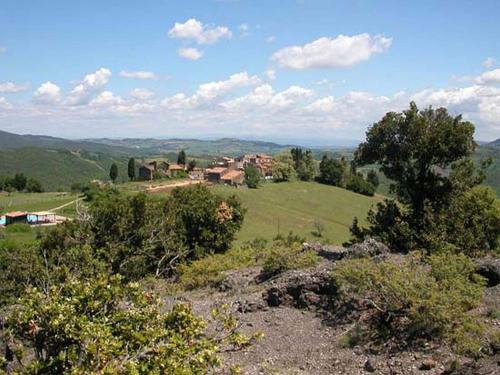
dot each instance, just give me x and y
(367, 248)
(301, 288)
(489, 268)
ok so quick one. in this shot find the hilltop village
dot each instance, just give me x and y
(224, 170)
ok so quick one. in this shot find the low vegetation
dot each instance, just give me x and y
(420, 298)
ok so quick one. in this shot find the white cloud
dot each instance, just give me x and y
(11, 87)
(271, 74)
(336, 52)
(244, 30)
(489, 63)
(195, 30)
(91, 85)
(264, 97)
(326, 104)
(138, 74)
(190, 53)
(490, 77)
(47, 93)
(212, 90)
(106, 98)
(4, 104)
(141, 94)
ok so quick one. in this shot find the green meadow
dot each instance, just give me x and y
(296, 206)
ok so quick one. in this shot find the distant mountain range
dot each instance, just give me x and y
(59, 162)
(195, 147)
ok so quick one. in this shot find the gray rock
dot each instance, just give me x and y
(489, 268)
(368, 248)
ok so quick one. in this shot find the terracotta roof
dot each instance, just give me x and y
(231, 175)
(16, 214)
(175, 167)
(218, 170)
(150, 167)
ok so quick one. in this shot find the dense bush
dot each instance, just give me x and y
(105, 327)
(356, 183)
(423, 299)
(137, 236)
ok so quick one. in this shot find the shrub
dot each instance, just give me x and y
(283, 258)
(103, 326)
(434, 298)
(208, 271)
(358, 184)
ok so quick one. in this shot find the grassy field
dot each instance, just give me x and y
(280, 208)
(37, 202)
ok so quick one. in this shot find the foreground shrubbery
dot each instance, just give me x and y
(106, 327)
(432, 298)
(283, 254)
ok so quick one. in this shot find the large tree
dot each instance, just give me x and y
(252, 176)
(113, 172)
(131, 169)
(414, 149)
(181, 158)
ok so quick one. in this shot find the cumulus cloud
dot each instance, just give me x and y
(336, 52)
(271, 74)
(489, 63)
(264, 97)
(195, 30)
(11, 87)
(141, 94)
(47, 93)
(244, 30)
(90, 86)
(106, 98)
(138, 74)
(4, 104)
(190, 53)
(490, 77)
(208, 92)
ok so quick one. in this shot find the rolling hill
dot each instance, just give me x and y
(296, 206)
(58, 169)
(196, 147)
(16, 141)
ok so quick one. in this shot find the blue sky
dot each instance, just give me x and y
(318, 72)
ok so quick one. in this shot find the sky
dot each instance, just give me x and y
(312, 72)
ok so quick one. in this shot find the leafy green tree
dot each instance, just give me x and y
(372, 178)
(207, 223)
(136, 236)
(131, 169)
(181, 158)
(113, 172)
(306, 169)
(412, 149)
(18, 182)
(356, 183)
(34, 186)
(283, 168)
(191, 165)
(105, 327)
(252, 176)
(333, 172)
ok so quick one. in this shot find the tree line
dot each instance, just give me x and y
(19, 182)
